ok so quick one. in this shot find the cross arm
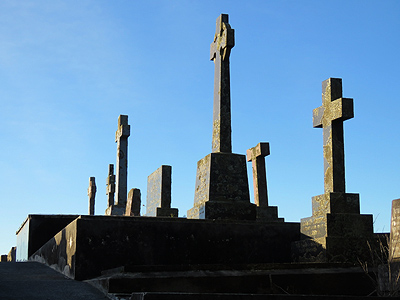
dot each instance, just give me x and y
(262, 149)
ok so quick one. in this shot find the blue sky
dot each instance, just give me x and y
(68, 69)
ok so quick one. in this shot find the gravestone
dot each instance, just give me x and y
(133, 203)
(110, 191)
(92, 195)
(121, 187)
(222, 188)
(11, 257)
(159, 194)
(3, 258)
(394, 247)
(256, 156)
(336, 230)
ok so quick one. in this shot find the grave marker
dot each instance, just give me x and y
(159, 194)
(133, 203)
(222, 188)
(110, 191)
(92, 195)
(336, 230)
(121, 138)
(257, 156)
(394, 249)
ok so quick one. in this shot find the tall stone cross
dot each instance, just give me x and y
(110, 185)
(92, 194)
(121, 138)
(224, 40)
(256, 156)
(330, 117)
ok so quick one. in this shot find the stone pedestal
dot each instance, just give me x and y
(115, 210)
(336, 231)
(222, 188)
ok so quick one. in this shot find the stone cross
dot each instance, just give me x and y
(121, 138)
(133, 203)
(92, 194)
(256, 156)
(330, 117)
(224, 40)
(110, 185)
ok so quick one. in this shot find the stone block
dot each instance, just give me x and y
(11, 257)
(335, 203)
(115, 210)
(133, 204)
(222, 188)
(167, 212)
(268, 214)
(106, 243)
(3, 258)
(37, 230)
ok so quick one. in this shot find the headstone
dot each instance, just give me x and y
(256, 156)
(336, 225)
(92, 195)
(110, 185)
(11, 257)
(121, 138)
(121, 186)
(3, 258)
(222, 188)
(133, 203)
(159, 194)
(394, 247)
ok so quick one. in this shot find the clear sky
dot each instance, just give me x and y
(68, 69)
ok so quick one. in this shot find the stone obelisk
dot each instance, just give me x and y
(222, 188)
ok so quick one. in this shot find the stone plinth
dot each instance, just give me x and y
(91, 244)
(394, 249)
(222, 188)
(336, 231)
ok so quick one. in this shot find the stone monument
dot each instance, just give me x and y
(92, 195)
(159, 194)
(110, 191)
(121, 138)
(133, 203)
(336, 231)
(394, 246)
(256, 156)
(222, 188)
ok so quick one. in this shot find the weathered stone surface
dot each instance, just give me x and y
(134, 203)
(121, 138)
(330, 117)
(336, 224)
(92, 195)
(3, 258)
(159, 193)
(37, 230)
(222, 184)
(11, 257)
(163, 241)
(224, 41)
(394, 248)
(256, 156)
(110, 191)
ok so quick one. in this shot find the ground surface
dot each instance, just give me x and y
(32, 280)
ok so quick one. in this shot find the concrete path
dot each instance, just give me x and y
(32, 280)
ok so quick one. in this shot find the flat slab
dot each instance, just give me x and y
(32, 280)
